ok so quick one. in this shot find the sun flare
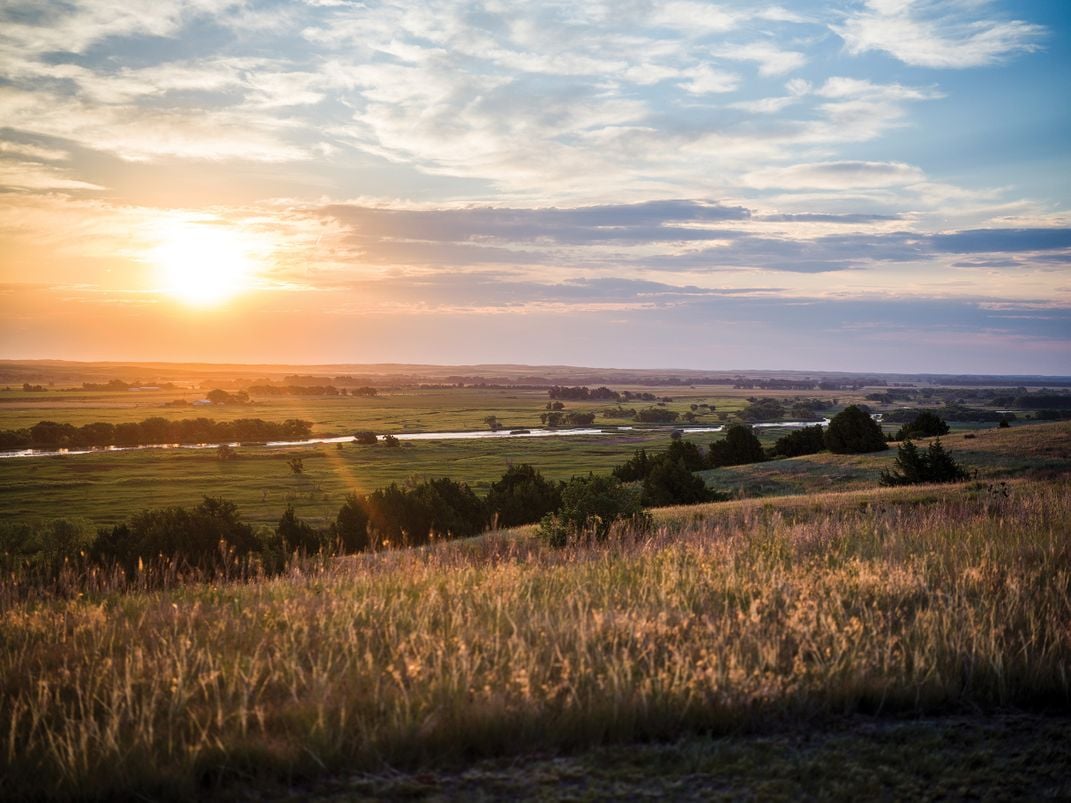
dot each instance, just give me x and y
(203, 265)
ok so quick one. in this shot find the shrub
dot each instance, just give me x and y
(365, 438)
(522, 496)
(391, 442)
(739, 447)
(914, 466)
(204, 538)
(410, 516)
(925, 425)
(809, 440)
(351, 525)
(853, 431)
(296, 535)
(655, 415)
(591, 505)
(671, 483)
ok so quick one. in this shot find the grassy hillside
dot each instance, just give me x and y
(735, 617)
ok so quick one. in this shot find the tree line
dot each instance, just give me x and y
(151, 431)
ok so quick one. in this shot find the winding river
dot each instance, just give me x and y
(535, 432)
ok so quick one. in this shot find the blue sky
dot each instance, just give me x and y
(875, 185)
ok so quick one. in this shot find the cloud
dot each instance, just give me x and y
(836, 175)
(936, 33)
(1002, 240)
(35, 176)
(771, 59)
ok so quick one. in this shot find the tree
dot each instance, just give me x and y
(391, 442)
(225, 452)
(592, 505)
(636, 467)
(351, 525)
(365, 438)
(914, 466)
(492, 422)
(522, 496)
(297, 535)
(809, 440)
(671, 483)
(925, 425)
(853, 431)
(739, 447)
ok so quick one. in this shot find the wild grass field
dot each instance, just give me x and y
(739, 617)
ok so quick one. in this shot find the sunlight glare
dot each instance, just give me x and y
(203, 265)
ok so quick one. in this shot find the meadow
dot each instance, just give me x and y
(106, 488)
(731, 618)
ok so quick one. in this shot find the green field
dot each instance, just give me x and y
(106, 488)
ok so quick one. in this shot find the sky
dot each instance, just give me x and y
(871, 185)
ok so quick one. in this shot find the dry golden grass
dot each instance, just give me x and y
(910, 602)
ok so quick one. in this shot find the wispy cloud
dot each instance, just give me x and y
(936, 33)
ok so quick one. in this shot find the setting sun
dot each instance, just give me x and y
(203, 265)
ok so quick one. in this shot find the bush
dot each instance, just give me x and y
(671, 483)
(809, 440)
(391, 442)
(522, 496)
(853, 431)
(408, 517)
(205, 538)
(925, 425)
(914, 466)
(739, 447)
(590, 506)
(655, 415)
(351, 525)
(296, 535)
(365, 438)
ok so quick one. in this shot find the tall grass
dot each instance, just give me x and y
(758, 617)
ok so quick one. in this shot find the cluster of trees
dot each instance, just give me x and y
(914, 466)
(222, 397)
(1036, 401)
(567, 418)
(657, 415)
(156, 430)
(309, 390)
(583, 393)
(925, 425)
(952, 412)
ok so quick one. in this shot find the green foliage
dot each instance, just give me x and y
(351, 525)
(809, 440)
(522, 496)
(926, 425)
(365, 437)
(670, 482)
(590, 506)
(914, 466)
(409, 516)
(296, 535)
(206, 538)
(853, 431)
(739, 447)
(656, 415)
(636, 467)
(688, 453)
(763, 410)
(155, 430)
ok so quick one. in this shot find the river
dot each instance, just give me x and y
(535, 432)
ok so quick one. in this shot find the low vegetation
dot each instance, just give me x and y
(733, 616)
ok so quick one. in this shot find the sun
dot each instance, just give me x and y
(203, 265)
